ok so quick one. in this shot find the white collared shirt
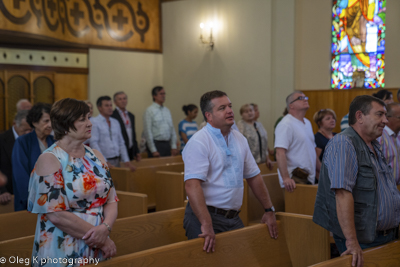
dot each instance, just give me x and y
(15, 133)
(108, 140)
(219, 166)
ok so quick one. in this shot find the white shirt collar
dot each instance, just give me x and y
(120, 111)
(15, 133)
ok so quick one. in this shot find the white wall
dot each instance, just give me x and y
(136, 73)
(240, 64)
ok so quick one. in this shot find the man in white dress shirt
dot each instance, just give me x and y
(107, 136)
(217, 158)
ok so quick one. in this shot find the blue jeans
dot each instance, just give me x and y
(220, 224)
(379, 240)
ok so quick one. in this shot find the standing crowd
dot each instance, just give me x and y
(55, 161)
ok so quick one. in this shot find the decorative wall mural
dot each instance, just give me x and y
(132, 24)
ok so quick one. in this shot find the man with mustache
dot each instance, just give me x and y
(217, 158)
(357, 196)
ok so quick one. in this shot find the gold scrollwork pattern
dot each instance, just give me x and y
(131, 24)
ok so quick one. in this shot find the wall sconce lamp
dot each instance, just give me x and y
(203, 40)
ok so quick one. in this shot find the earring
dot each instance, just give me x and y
(66, 132)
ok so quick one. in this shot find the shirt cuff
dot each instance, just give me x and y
(251, 175)
(195, 176)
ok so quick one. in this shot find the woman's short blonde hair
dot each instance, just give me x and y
(244, 107)
(319, 115)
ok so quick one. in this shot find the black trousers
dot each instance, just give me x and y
(163, 147)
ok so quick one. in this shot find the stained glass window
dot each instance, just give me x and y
(358, 44)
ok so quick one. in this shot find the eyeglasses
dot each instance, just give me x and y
(300, 98)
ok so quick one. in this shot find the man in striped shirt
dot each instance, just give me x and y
(390, 139)
(357, 197)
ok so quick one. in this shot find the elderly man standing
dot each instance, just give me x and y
(107, 137)
(390, 139)
(7, 140)
(217, 158)
(158, 127)
(127, 122)
(357, 198)
(295, 146)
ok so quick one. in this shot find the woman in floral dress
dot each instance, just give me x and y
(72, 192)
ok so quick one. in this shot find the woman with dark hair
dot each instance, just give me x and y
(27, 149)
(384, 95)
(72, 192)
(187, 127)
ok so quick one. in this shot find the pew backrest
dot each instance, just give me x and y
(146, 162)
(130, 234)
(9, 207)
(22, 223)
(382, 256)
(301, 200)
(250, 246)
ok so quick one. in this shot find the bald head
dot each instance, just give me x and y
(23, 104)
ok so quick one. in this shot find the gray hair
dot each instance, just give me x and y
(21, 115)
(19, 103)
(289, 98)
(119, 93)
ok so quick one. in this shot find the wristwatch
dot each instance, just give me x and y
(270, 209)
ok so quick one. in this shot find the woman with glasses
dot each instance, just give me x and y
(326, 122)
(255, 134)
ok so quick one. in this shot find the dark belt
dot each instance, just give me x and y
(230, 214)
(386, 232)
(113, 158)
(162, 141)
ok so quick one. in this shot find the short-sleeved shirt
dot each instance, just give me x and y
(341, 162)
(189, 128)
(219, 166)
(298, 139)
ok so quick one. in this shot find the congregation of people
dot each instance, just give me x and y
(53, 157)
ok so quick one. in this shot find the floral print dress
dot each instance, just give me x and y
(81, 186)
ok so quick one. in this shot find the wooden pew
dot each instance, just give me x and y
(157, 161)
(250, 246)
(130, 234)
(22, 223)
(143, 180)
(253, 207)
(9, 207)
(301, 239)
(383, 256)
(170, 193)
(302, 200)
(264, 169)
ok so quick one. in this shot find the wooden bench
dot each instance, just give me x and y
(301, 200)
(22, 223)
(130, 234)
(383, 256)
(264, 169)
(253, 207)
(143, 180)
(170, 193)
(250, 246)
(147, 162)
(9, 207)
